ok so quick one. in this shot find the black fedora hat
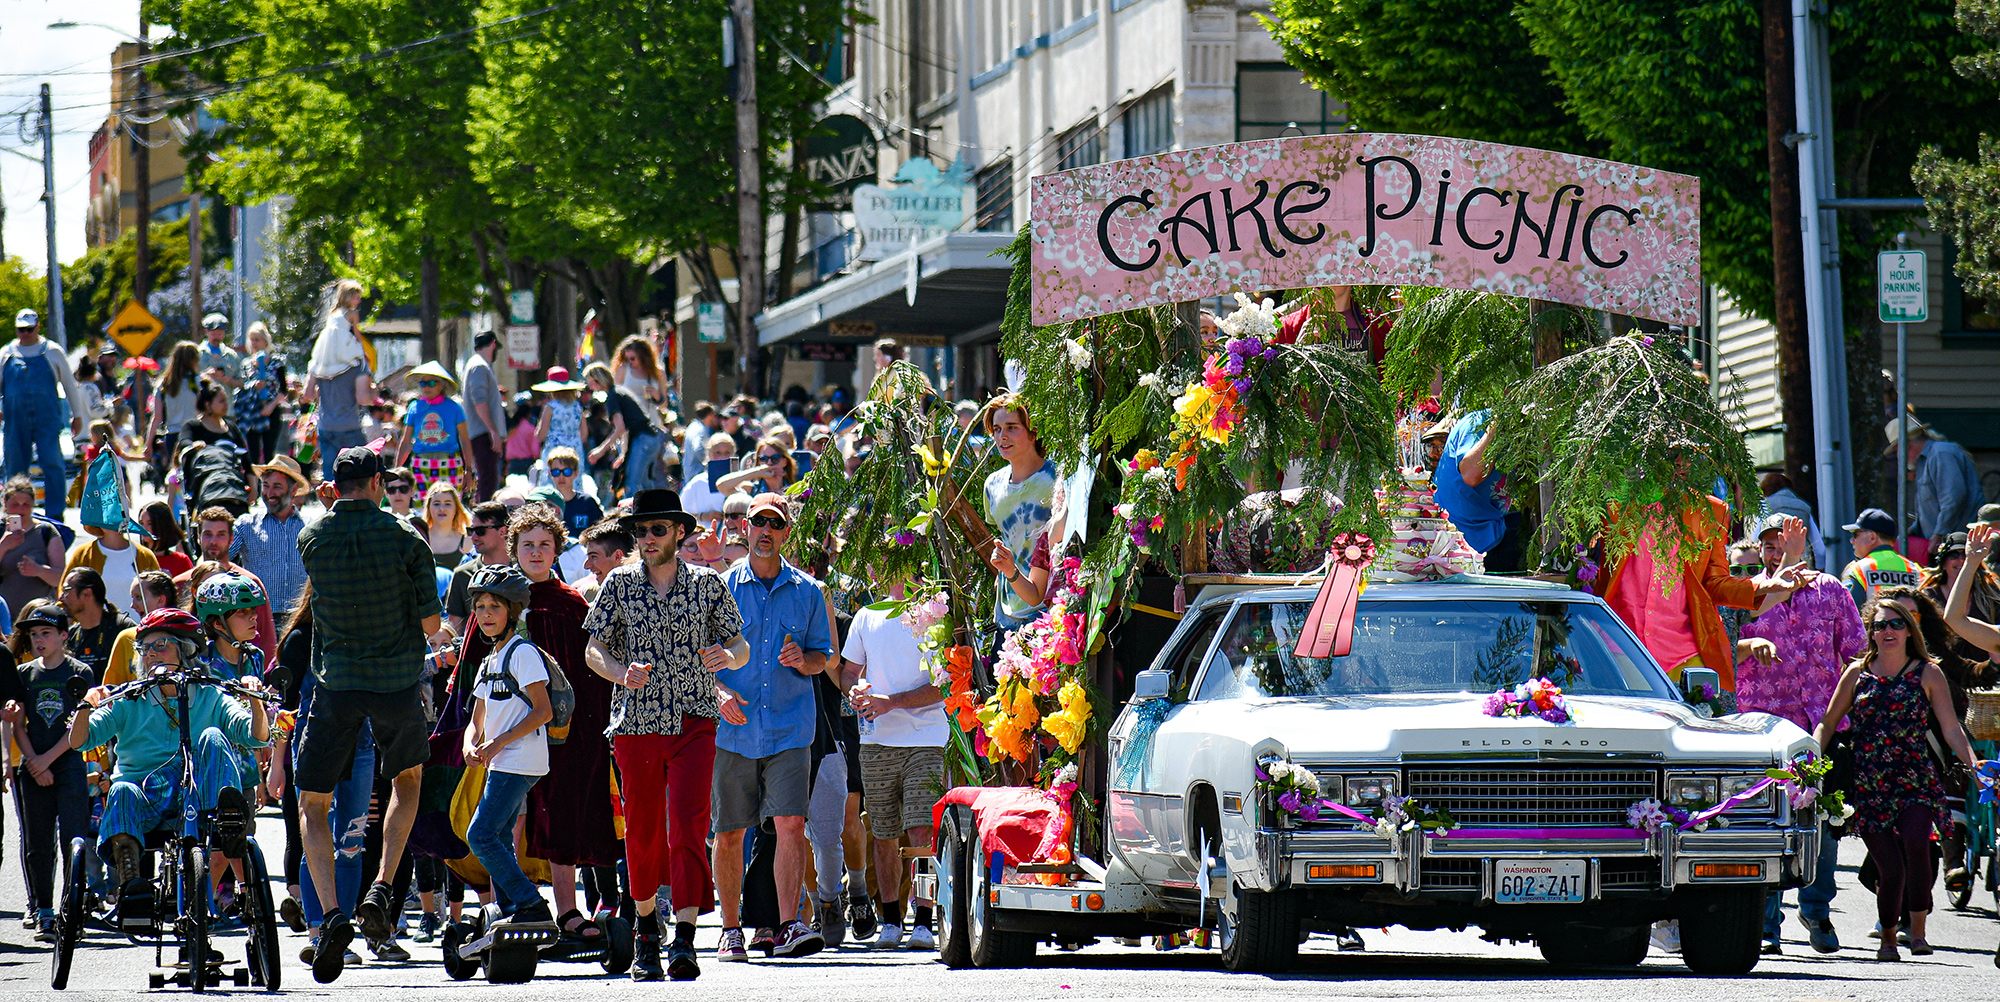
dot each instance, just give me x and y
(655, 503)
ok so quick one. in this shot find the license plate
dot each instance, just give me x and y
(1538, 881)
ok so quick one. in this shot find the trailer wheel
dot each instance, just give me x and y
(1264, 932)
(953, 948)
(991, 947)
(1722, 929)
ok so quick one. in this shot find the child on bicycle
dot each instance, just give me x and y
(227, 604)
(52, 783)
(146, 781)
(508, 735)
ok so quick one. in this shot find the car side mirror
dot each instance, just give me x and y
(1151, 684)
(1693, 679)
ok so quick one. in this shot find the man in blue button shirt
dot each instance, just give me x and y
(1469, 490)
(763, 748)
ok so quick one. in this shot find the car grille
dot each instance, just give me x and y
(1620, 873)
(1534, 796)
(1448, 874)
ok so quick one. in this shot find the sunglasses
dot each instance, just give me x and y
(481, 530)
(1898, 624)
(397, 488)
(427, 382)
(1744, 570)
(562, 471)
(770, 459)
(768, 522)
(656, 530)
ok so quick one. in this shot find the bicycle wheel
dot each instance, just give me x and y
(260, 920)
(193, 899)
(69, 922)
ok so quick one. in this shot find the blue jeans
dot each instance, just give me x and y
(491, 836)
(642, 464)
(29, 439)
(1816, 898)
(347, 819)
(139, 804)
(331, 442)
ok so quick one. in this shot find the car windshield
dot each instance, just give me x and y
(1433, 646)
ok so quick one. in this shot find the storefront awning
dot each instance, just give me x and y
(961, 292)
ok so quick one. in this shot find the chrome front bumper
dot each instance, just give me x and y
(1783, 857)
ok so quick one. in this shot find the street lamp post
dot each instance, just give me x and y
(57, 330)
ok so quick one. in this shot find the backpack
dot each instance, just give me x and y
(562, 698)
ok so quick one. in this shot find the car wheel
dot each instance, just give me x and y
(1591, 946)
(1263, 932)
(1722, 928)
(991, 947)
(953, 949)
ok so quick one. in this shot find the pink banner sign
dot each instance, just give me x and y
(1366, 209)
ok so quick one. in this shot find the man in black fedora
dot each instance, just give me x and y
(660, 630)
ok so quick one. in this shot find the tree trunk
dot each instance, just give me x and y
(788, 245)
(1788, 278)
(194, 261)
(427, 304)
(1548, 344)
(749, 203)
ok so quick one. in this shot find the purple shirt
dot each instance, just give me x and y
(1817, 632)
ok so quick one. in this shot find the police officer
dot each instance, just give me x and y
(30, 414)
(1876, 564)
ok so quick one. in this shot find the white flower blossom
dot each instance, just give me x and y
(1156, 475)
(1079, 354)
(1386, 830)
(1149, 380)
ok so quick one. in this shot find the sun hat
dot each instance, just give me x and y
(287, 466)
(557, 382)
(433, 370)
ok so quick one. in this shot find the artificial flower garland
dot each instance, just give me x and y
(1042, 659)
(1294, 790)
(1537, 697)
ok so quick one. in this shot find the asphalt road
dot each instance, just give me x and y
(1398, 964)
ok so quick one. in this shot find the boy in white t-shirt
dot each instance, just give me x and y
(902, 753)
(508, 735)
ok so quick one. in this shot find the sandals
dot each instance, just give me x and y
(584, 928)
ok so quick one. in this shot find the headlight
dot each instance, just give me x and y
(1369, 790)
(1733, 785)
(1692, 791)
(1332, 788)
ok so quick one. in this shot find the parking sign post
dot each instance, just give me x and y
(1902, 286)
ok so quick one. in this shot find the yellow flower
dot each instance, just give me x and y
(1022, 706)
(1073, 699)
(1067, 728)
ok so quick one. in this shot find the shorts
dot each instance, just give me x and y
(748, 790)
(333, 726)
(899, 786)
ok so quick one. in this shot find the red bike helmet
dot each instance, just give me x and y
(175, 623)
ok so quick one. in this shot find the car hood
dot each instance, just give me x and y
(1388, 728)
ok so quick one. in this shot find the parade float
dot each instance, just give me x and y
(1348, 724)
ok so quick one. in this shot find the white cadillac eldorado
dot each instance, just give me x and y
(1544, 849)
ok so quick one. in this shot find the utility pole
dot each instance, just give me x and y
(142, 178)
(54, 330)
(749, 192)
(1834, 437)
(194, 258)
(1788, 281)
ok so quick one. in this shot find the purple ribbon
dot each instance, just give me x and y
(1705, 816)
(1546, 834)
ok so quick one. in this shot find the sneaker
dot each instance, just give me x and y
(126, 854)
(1772, 948)
(427, 929)
(1820, 934)
(1667, 936)
(295, 915)
(765, 939)
(646, 957)
(374, 914)
(861, 916)
(730, 950)
(797, 939)
(890, 937)
(47, 932)
(922, 940)
(335, 933)
(830, 918)
(388, 951)
(1346, 940)
(1920, 948)
(534, 913)
(681, 963)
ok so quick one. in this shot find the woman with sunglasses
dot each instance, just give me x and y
(638, 371)
(1891, 694)
(771, 465)
(399, 495)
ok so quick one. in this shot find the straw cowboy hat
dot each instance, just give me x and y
(1916, 428)
(432, 370)
(287, 466)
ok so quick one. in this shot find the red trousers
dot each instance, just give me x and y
(666, 781)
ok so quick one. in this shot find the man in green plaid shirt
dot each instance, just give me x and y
(374, 604)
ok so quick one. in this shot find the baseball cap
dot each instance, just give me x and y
(1874, 520)
(1773, 522)
(27, 318)
(484, 338)
(214, 321)
(1989, 513)
(357, 462)
(772, 503)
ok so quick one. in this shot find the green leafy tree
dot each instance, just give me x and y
(1959, 192)
(20, 289)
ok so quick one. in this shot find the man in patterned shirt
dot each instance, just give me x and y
(1792, 656)
(660, 630)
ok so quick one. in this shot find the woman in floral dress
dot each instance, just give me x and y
(1891, 694)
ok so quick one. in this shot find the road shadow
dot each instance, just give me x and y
(1415, 967)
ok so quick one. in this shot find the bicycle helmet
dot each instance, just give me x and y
(175, 623)
(222, 594)
(500, 580)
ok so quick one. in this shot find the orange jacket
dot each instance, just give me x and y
(1706, 584)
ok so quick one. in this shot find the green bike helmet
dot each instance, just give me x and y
(225, 593)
